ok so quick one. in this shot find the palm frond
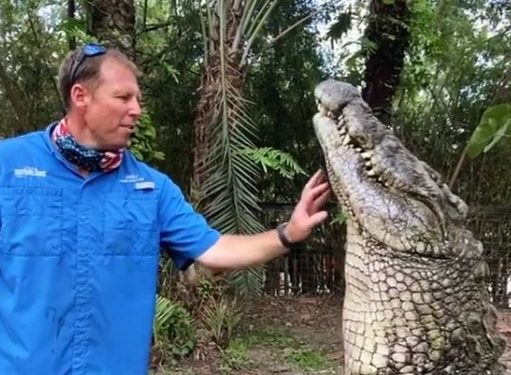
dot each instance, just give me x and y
(245, 282)
(229, 176)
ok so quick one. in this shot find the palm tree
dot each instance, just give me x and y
(224, 177)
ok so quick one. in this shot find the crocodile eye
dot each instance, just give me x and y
(361, 139)
(340, 107)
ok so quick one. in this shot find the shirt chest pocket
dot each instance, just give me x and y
(130, 225)
(31, 221)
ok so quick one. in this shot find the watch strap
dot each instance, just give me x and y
(282, 235)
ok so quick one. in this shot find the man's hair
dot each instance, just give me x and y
(88, 72)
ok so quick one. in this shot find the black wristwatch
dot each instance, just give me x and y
(282, 236)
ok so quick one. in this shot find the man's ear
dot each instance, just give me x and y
(79, 96)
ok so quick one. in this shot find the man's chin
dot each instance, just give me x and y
(115, 147)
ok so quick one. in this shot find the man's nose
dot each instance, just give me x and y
(135, 108)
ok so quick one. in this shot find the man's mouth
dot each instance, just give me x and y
(129, 127)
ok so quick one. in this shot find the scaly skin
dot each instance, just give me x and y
(415, 301)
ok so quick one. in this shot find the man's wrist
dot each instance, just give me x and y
(284, 239)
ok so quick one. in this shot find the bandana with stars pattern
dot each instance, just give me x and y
(90, 159)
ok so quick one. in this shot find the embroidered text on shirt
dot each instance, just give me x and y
(29, 171)
(131, 178)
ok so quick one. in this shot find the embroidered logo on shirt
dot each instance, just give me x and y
(138, 182)
(29, 172)
(131, 178)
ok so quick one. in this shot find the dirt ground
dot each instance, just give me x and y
(311, 321)
(308, 322)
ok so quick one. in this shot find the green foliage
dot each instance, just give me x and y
(221, 318)
(29, 57)
(229, 195)
(247, 282)
(277, 160)
(220, 312)
(308, 359)
(455, 69)
(355, 63)
(173, 330)
(340, 27)
(169, 52)
(230, 190)
(234, 357)
(77, 29)
(280, 344)
(494, 125)
(281, 85)
(143, 142)
(268, 336)
(207, 311)
(338, 218)
(206, 289)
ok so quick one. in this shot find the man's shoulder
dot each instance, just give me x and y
(21, 142)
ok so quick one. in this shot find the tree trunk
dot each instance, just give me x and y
(71, 10)
(388, 30)
(113, 23)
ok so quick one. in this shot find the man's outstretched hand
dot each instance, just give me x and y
(308, 212)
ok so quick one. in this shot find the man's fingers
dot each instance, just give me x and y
(316, 179)
(321, 200)
(317, 191)
(309, 197)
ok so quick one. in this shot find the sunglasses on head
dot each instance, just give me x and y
(88, 50)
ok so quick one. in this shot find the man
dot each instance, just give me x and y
(81, 225)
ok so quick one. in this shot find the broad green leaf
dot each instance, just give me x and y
(493, 126)
(500, 133)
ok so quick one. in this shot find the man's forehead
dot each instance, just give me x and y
(118, 75)
(115, 67)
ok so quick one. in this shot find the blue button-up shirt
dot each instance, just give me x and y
(79, 260)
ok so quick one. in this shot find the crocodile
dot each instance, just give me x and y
(416, 299)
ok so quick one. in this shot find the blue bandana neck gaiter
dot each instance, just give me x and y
(81, 156)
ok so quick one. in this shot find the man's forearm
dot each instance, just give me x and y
(242, 251)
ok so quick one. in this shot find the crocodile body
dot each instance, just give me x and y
(416, 300)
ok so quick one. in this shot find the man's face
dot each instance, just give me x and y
(112, 108)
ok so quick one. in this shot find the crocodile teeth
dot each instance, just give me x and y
(371, 173)
(358, 149)
(368, 164)
(342, 130)
(367, 154)
(346, 140)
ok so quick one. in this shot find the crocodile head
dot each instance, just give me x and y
(387, 192)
